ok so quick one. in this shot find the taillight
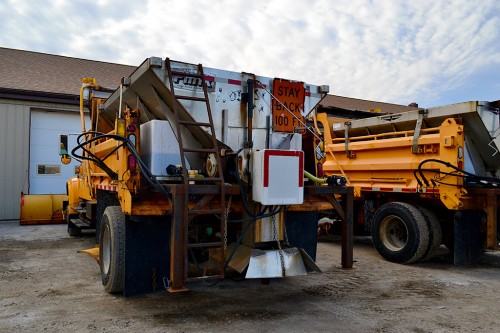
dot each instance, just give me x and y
(131, 137)
(132, 163)
(319, 166)
(120, 127)
(460, 155)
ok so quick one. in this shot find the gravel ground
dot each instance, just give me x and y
(45, 285)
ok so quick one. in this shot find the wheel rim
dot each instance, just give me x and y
(106, 249)
(393, 233)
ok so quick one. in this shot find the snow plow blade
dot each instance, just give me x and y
(42, 209)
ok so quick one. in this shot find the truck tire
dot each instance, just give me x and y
(104, 199)
(435, 233)
(112, 250)
(400, 233)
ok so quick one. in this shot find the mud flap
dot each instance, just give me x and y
(147, 255)
(302, 230)
(268, 263)
(467, 245)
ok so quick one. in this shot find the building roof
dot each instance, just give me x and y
(31, 75)
(45, 75)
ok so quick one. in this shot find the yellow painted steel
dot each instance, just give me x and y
(386, 162)
(73, 199)
(115, 156)
(93, 252)
(451, 137)
(42, 209)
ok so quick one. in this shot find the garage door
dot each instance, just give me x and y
(47, 173)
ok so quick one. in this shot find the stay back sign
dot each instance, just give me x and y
(292, 96)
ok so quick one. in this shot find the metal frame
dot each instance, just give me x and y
(178, 258)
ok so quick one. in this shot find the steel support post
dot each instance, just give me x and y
(178, 256)
(492, 201)
(345, 212)
(347, 229)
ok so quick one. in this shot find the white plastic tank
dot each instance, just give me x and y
(159, 147)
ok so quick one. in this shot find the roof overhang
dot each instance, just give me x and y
(38, 96)
(347, 113)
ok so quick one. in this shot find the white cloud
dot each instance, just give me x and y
(388, 50)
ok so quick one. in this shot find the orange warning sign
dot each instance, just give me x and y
(292, 96)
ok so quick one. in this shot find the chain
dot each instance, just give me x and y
(226, 214)
(275, 232)
(286, 234)
(280, 251)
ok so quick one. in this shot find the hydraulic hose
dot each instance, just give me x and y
(314, 178)
(332, 180)
(483, 180)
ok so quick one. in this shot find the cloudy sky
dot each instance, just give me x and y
(430, 52)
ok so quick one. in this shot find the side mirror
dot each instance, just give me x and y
(63, 149)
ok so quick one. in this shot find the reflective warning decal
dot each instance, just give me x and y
(292, 96)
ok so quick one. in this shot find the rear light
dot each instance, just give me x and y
(131, 137)
(319, 166)
(460, 155)
(120, 127)
(132, 163)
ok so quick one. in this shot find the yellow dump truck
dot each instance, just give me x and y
(420, 178)
(188, 172)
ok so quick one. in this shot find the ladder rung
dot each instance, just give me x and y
(213, 244)
(200, 150)
(191, 98)
(204, 211)
(206, 277)
(179, 73)
(205, 179)
(194, 123)
(180, 62)
(211, 189)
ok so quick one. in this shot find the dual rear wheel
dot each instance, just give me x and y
(404, 233)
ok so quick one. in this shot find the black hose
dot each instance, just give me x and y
(457, 173)
(93, 158)
(145, 172)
